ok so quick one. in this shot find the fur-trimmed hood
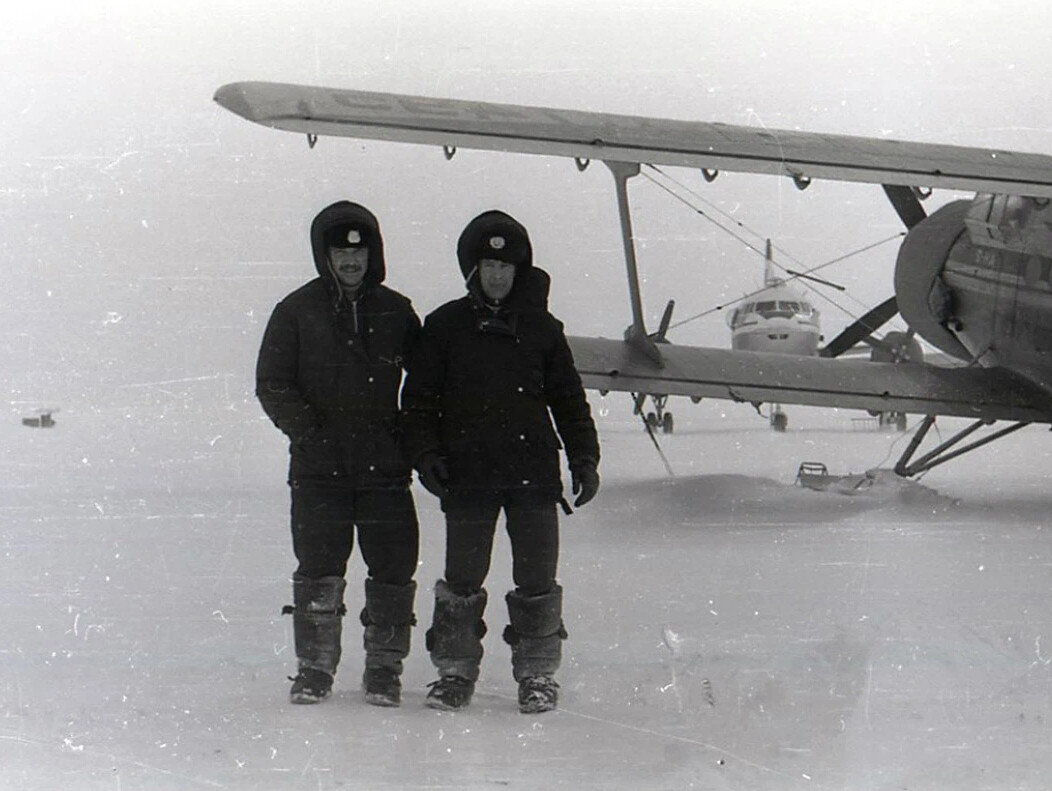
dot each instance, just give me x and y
(493, 234)
(351, 215)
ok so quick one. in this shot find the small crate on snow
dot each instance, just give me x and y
(812, 474)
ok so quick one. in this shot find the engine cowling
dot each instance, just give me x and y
(923, 300)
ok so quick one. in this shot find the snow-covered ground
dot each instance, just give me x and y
(728, 629)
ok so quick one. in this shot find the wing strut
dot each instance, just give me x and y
(905, 469)
(636, 335)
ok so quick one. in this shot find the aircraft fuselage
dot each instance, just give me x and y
(975, 280)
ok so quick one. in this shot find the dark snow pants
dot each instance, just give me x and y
(324, 515)
(471, 523)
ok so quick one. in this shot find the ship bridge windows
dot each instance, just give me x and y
(766, 308)
(748, 312)
(742, 316)
(781, 309)
(800, 309)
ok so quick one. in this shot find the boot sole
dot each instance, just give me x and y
(376, 699)
(304, 700)
(440, 706)
(536, 709)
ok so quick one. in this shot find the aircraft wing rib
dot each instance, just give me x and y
(659, 141)
(977, 393)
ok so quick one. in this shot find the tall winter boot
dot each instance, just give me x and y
(455, 643)
(388, 619)
(317, 613)
(535, 635)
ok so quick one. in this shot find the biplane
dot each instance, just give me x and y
(973, 278)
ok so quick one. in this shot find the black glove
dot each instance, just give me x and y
(585, 481)
(433, 473)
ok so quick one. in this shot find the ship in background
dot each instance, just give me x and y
(778, 318)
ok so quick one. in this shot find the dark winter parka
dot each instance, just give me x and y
(486, 383)
(329, 369)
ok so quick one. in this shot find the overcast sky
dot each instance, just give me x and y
(117, 163)
(120, 178)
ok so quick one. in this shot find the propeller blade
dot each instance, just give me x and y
(906, 204)
(861, 329)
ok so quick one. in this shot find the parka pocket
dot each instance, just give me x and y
(319, 454)
(386, 452)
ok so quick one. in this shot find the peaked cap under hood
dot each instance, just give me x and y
(340, 215)
(493, 234)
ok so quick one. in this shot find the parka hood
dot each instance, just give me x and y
(337, 215)
(493, 234)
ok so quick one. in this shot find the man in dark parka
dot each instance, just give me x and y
(491, 371)
(328, 375)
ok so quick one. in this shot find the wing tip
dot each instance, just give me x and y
(232, 97)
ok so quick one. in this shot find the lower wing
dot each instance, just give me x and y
(978, 393)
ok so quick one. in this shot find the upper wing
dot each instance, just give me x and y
(658, 141)
(980, 393)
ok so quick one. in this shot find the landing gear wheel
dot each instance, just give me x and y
(900, 422)
(652, 420)
(779, 421)
(666, 423)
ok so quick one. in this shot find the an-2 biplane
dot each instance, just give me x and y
(974, 279)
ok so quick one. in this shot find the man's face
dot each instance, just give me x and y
(496, 278)
(350, 265)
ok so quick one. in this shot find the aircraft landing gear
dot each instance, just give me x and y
(896, 419)
(906, 467)
(659, 418)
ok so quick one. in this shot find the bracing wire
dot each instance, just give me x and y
(661, 453)
(791, 275)
(817, 293)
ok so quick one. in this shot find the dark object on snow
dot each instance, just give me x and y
(44, 421)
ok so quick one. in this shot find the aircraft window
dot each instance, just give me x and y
(1017, 211)
(997, 209)
(793, 306)
(762, 306)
